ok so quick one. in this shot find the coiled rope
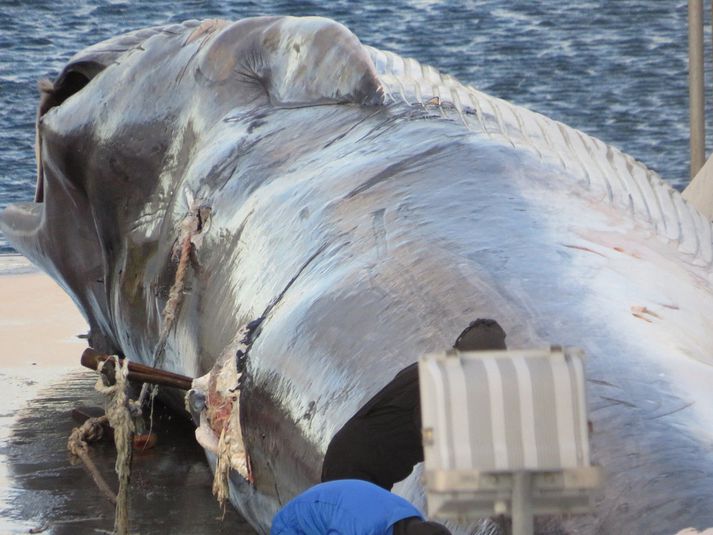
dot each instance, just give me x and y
(90, 431)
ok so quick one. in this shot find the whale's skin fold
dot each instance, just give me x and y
(366, 209)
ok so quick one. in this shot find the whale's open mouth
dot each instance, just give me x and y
(22, 221)
(53, 94)
(58, 236)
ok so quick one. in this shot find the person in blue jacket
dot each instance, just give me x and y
(351, 507)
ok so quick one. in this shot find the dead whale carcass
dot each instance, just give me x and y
(365, 209)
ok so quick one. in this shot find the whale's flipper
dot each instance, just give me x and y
(295, 61)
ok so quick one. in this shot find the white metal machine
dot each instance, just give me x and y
(506, 432)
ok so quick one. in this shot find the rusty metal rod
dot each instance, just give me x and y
(140, 372)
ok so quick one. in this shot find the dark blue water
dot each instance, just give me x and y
(615, 69)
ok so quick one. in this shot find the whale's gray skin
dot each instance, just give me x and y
(368, 209)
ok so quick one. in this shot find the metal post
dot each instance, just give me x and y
(695, 85)
(522, 518)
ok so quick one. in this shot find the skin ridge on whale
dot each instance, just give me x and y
(590, 161)
(364, 227)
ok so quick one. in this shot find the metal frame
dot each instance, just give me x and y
(505, 467)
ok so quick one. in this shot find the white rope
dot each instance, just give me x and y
(119, 413)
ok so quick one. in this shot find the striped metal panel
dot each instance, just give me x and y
(504, 410)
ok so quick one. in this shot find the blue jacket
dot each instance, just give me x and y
(342, 507)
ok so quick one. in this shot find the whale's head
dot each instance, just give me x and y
(120, 126)
(99, 153)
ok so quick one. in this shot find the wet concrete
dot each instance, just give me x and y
(41, 490)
